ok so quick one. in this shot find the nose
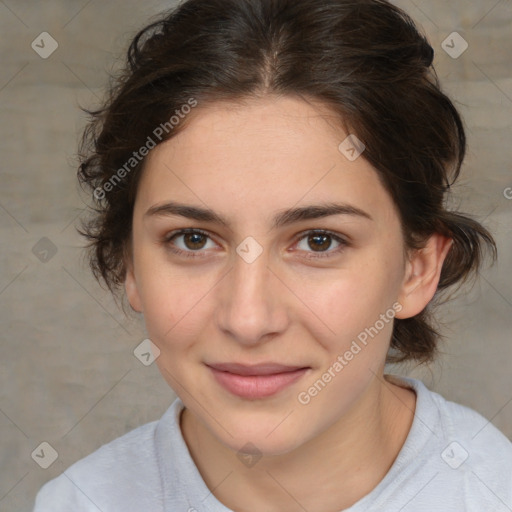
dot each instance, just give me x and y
(251, 303)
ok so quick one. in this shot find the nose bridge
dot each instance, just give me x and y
(249, 307)
(250, 278)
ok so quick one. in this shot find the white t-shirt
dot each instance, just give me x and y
(452, 460)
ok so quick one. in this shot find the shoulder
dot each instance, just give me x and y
(455, 421)
(119, 473)
(469, 427)
(472, 455)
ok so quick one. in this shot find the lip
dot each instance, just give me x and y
(254, 369)
(256, 381)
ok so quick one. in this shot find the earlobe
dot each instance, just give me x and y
(422, 275)
(132, 292)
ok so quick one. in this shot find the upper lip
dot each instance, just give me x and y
(256, 369)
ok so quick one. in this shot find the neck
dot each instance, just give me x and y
(342, 464)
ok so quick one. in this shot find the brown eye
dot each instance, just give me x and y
(320, 242)
(193, 241)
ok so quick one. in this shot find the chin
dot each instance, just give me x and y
(265, 436)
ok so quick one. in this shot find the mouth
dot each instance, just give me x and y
(258, 381)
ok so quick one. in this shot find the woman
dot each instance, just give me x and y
(269, 179)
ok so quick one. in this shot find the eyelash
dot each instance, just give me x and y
(321, 254)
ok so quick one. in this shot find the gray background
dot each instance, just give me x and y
(68, 375)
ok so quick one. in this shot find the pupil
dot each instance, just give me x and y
(319, 237)
(194, 237)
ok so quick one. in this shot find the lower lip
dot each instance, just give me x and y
(256, 386)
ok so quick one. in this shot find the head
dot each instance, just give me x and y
(307, 149)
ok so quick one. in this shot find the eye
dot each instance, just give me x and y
(322, 240)
(193, 241)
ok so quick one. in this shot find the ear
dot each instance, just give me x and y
(423, 271)
(130, 286)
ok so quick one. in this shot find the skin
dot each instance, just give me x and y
(248, 161)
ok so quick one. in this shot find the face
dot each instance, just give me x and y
(270, 325)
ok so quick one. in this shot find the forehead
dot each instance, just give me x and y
(258, 157)
(266, 128)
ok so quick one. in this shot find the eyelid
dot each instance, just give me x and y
(338, 237)
(180, 232)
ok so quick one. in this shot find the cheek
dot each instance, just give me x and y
(167, 309)
(178, 299)
(353, 299)
(174, 299)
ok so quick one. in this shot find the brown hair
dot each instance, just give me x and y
(364, 59)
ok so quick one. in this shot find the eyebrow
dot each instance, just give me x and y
(282, 218)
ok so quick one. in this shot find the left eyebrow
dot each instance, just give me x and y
(282, 218)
